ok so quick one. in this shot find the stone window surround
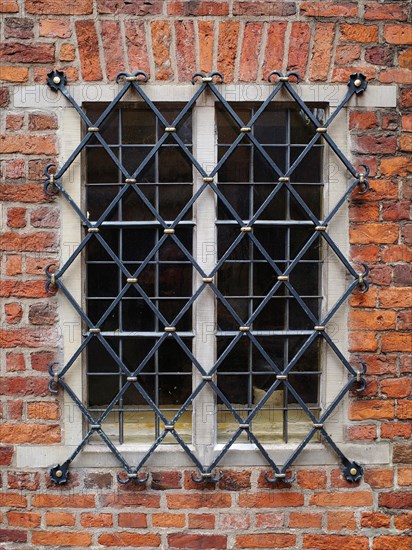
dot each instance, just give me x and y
(41, 97)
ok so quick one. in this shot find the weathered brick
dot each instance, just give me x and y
(395, 297)
(98, 480)
(15, 362)
(400, 341)
(397, 253)
(30, 433)
(88, 50)
(362, 433)
(198, 8)
(23, 519)
(227, 49)
(266, 540)
(161, 44)
(166, 480)
(201, 521)
(12, 500)
(339, 521)
(252, 37)
(9, 6)
(18, 27)
(390, 430)
(275, 46)
(136, 44)
(63, 501)
(311, 479)
(398, 500)
(130, 7)
(322, 46)
(380, 55)
(379, 478)
(183, 540)
(27, 144)
(60, 519)
(130, 499)
(67, 52)
(372, 409)
(170, 520)
(344, 55)
(403, 521)
(233, 522)
(23, 289)
(59, 7)
(405, 476)
(233, 480)
(16, 217)
(398, 34)
(362, 341)
(358, 33)
(375, 520)
(15, 169)
(15, 52)
(328, 9)
(13, 535)
(262, 7)
(13, 312)
(374, 144)
(198, 500)
(185, 52)
(299, 48)
(113, 48)
(43, 410)
(206, 31)
(367, 233)
(124, 538)
(400, 76)
(4, 97)
(55, 28)
(61, 538)
(304, 520)
(13, 74)
(396, 387)
(372, 320)
(6, 455)
(99, 520)
(270, 500)
(405, 61)
(14, 121)
(343, 542)
(348, 499)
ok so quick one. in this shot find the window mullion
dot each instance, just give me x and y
(205, 249)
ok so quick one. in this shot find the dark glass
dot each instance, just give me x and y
(271, 127)
(100, 168)
(138, 126)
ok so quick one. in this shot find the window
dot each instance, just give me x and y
(210, 275)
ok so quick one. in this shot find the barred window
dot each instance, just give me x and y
(245, 278)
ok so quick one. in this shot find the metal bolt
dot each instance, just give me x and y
(358, 82)
(353, 471)
(59, 473)
(57, 80)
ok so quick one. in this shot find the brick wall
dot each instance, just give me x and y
(92, 40)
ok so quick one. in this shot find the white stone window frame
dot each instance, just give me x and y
(205, 151)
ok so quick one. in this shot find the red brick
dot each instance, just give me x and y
(23, 519)
(130, 499)
(400, 76)
(201, 521)
(13, 535)
(396, 387)
(132, 520)
(362, 120)
(41, 360)
(185, 52)
(113, 48)
(23, 289)
(30, 242)
(275, 46)
(227, 48)
(402, 452)
(88, 50)
(15, 362)
(362, 341)
(328, 9)
(305, 520)
(9, 6)
(4, 97)
(397, 253)
(390, 121)
(343, 542)
(398, 34)
(368, 299)
(362, 212)
(367, 254)
(396, 211)
(372, 320)
(23, 481)
(380, 55)
(13, 264)
(130, 7)
(18, 27)
(136, 44)
(407, 233)
(15, 409)
(12, 500)
(396, 429)
(166, 480)
(311, 479)
(379, 478)
(388, 542)
(322, 46)
(404, 410)
(362, 433)
(182, 540)
(250, 49)
(206, 31)
(42, 121)
(403, 521)
(381, 12)
(100, 520)
(63, 501)
(13, 313)
(27, 144)
(23, 386)
(406, 142)
(262, 7)
(16, 217)
(40, 75)
(375, 520)
(358, 33)
(379, 189)
(15, 52)
(400, 341)
(299, 48)
(236, 522)
(235, 480)
(14, 121)
(266, 540)
(395, 297)
(6, 455)
(372, 233)
(405, 476)
(373, 144)
(61, 538)
(124, 538)
(29, 433)
(43, 410)
(59, 7)
(171, 520)
(345, 55)
(55, 28)
(270, 500)
(45, 217)
(339, 521)
(161, 44)
(199, 500)
(372, 409)
(59, 519)
(405, 61)
(198, 8)
(22, 193)
(342, 74)
(13, 74)
(67, 52)
(15, 169)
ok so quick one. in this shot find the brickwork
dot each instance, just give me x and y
(92, 40)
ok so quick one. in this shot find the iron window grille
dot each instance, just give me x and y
(233, 326)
